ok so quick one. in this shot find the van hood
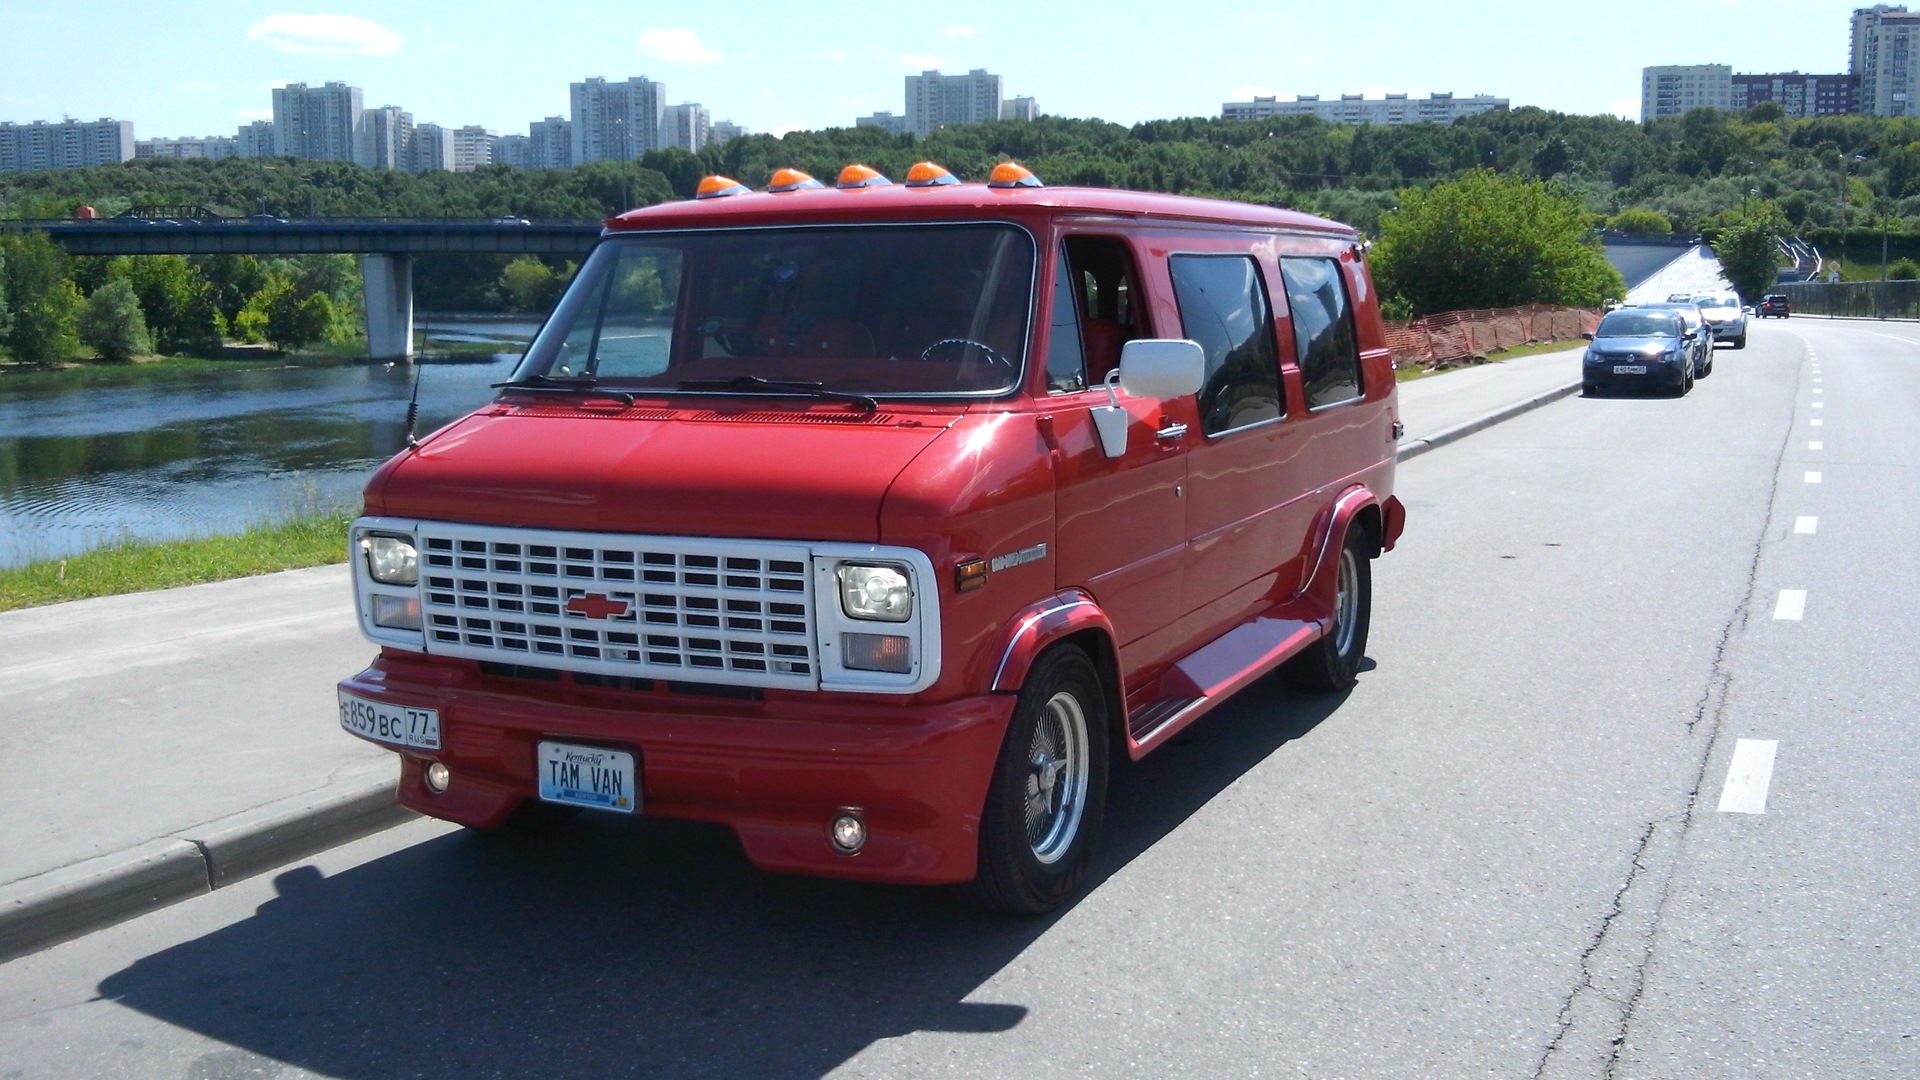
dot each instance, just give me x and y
(749, 473)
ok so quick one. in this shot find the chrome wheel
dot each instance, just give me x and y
(1056, 783)
(1346, 602)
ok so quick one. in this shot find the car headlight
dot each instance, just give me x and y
(392, 560)
(879, 592)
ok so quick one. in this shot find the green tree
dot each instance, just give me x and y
(531, 285)
(1491, 241)
(1749, 253)
(250, 324)
(1639, 220)
(44, 302)
(181, 314)
(6, 321)
(112, 322)
(294, 321)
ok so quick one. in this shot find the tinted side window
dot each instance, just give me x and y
(1223, 306)
(1322, 330)
(1066, 367)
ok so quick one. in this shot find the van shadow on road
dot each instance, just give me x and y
(645, 947)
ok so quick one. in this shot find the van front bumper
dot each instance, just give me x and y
(777, 770)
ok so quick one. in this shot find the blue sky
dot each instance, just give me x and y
(203, 68)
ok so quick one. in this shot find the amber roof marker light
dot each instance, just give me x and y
(785, 180)
(1012, 174)
(719, 187)
(855, 177)
(926, 174)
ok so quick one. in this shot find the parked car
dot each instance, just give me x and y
(1725, 317)
(1639, 348)
(872, 520)
(1699, 335)
(1773, 306)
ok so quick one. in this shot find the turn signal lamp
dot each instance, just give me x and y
(719, 187)
(861, 176)
(926, 174)
(791, 180)
(1008, 174)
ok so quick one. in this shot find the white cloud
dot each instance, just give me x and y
(1628, 108)
(676, 47)
(923, 61)
(1248, 93)
(325, 34)
(255, 114)
(957, 30)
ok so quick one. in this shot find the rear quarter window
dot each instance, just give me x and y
(1322, 330)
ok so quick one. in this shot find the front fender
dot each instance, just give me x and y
(1039, 625)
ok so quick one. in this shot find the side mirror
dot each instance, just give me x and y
(1588, 334)
(1162, 368)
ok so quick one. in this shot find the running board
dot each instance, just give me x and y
(1207, 677)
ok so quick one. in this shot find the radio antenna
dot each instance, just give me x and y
(413, 408)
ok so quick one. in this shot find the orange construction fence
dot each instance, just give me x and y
(1457, 337)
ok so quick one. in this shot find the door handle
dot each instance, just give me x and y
(1170, 432)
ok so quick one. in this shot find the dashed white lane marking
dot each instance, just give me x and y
(1819, 404)
(1792, 605)
(1816, 445)
(1813, 478)
(1804, 526)
(1817, 390)
(1816, 421)
(1749, 777)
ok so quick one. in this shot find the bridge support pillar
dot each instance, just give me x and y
(387, 288)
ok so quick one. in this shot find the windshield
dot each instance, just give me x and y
(1639, 324)
(1716, 301)
(869, 310)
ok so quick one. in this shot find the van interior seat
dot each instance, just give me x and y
(1101, 340)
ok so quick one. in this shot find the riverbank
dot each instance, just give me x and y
(428, 348)
(314, 540)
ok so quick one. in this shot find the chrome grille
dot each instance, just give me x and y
(722, 611)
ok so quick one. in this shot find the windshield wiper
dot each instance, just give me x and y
(754, 384)
(546, 384)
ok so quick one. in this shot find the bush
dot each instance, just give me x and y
(111, 322)
(1903, 270)
(1640, 220)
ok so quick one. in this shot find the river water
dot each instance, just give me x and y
(205, 454)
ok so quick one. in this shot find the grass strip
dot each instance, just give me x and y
(137, 566)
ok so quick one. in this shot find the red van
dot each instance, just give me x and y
(872, 519)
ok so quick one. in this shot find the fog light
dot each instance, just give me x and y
(848, 833)
(877, 652)
(438, 776)
(396, 612)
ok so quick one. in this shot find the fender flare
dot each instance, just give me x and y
(1323, 581)
(1038, 625)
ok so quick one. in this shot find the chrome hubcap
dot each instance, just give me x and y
(1346, 602)
(1057, 766)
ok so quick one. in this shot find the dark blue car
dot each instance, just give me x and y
(1639, 348)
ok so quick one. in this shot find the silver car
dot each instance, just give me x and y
(1724, 316)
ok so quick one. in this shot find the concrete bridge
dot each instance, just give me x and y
(386, 247)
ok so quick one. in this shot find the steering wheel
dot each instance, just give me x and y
(992, 356)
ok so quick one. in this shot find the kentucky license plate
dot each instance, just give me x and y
(395, 725)
(1629, 369)
(588, 776)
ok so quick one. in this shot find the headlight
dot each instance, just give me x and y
(392, 560)
(881, 592)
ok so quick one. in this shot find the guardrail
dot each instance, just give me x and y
(1854, 299)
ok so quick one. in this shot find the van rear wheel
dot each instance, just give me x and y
(1049, 789)
(1332, 663)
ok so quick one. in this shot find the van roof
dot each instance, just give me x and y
(897, 202)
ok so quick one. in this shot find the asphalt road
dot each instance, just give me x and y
(1503, 854)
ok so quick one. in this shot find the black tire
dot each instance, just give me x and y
(1740, 342)
(1332, 663)
(1049, 789)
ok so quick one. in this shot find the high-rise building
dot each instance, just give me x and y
(550, 143)
(885, 121)
(1798, 95)
(514, 150)
(472, 148)
(1885, 61)
(935, 100)
(1020, 108)
(725, 131)
(1440, 108)
(69, 144)
(387, 138)
(432, 149)
(318, 123)
(616, 121)
(210, 148)
(687, 126)
(254, 139)
(1678, 89)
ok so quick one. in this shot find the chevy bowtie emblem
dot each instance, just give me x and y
(595, 605)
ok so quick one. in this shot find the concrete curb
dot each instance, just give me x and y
(1414, 448)
(58, 905)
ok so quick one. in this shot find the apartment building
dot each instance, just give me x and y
(69, 144)
(1439, 108)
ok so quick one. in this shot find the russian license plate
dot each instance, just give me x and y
(395, 725)
(1629, 369)
(588, 776)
